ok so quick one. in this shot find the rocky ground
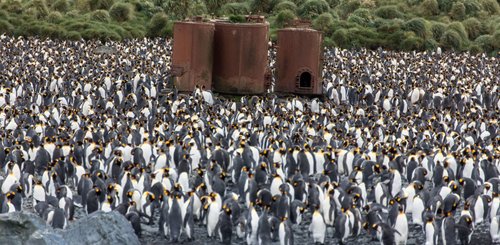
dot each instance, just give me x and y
(150, 234)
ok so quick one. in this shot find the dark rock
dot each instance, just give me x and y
(100, 228)
(26, 228)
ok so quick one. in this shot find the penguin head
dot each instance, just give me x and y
(97, 191)
(166, 193)
(177, 187)
(468, 220)
(355, 196)
(223, 175)
(202, 186)
(430, 219)
(132, 203)
(19, 189)
(461, 181)
(111, 187)
(400, 198)
(151, 197)
(10, 195)
(446, 179)
(264, 153)
(453, 186)
(366, 226)
(213, 196)
(37, 182)
(99, 175)
(487, 186)
(109, 199)
(190, 193)
(10, 165)
(418, 185)
(392, 201)
(466, 205)
(227, 210)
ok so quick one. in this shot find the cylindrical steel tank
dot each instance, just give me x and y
(298, 61)
(240, 58)
(192, 57)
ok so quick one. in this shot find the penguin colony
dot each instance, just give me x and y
(403, 143)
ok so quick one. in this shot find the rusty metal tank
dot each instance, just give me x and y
(240, 57)
(192, 57)
(299, 61)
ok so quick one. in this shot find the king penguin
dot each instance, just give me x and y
(225, 225)
(285, 232)
(317, 228)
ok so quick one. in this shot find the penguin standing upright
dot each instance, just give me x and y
(17, 200)
(93, 202)
(58, 218)
(285, 232)
(465, 229)
(148, 205)
(212, 208)
(448, 232)
(329, 208)
(135, 219)
(419, 206)
(252, 226)
(163, 221)
(385, 233)
(342, 226)
(188, 217)
(175, 218)
(431, 231)
(495, 229)
(67, 205)
(401, 226)
(7, 206)
(317, 228)
(225, 225)
(264, 228)
(9, 181)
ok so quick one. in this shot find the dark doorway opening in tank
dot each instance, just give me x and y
(305, 80)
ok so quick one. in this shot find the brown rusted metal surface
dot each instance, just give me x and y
(192, 57)
(240, 57)
(298, 61)
(300, 23)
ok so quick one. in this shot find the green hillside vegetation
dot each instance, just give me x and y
(461, 25)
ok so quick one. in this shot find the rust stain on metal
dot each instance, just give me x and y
(240, 57)
(192, 58)
(298, 61)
